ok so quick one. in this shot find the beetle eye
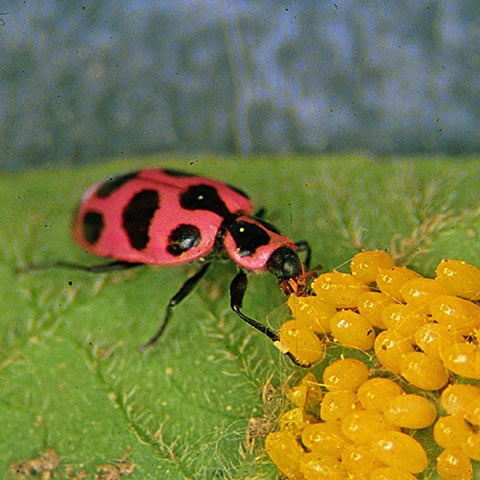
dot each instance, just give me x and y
(284, 263)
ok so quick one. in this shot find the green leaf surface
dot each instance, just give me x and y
(72, 376)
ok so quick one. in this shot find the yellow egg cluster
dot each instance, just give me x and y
(351, 430)
(420, 328)
(358, 425)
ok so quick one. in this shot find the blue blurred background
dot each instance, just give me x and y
(87, 80)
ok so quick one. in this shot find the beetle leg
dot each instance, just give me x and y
(237, 292)
(184, 291)
(102, 268)
(304, 246)
(260, 212)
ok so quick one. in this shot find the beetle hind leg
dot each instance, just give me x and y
(101, 268)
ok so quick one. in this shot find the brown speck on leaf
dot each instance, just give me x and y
(107, 471)
(42, 466)
(116, 470)
(258, 427)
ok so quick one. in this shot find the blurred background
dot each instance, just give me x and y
(87, 80)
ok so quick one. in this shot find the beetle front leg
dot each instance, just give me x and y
(238, 288)
(304, 246)
(237, 292)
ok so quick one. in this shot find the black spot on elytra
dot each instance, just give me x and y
(203, 197)
(93, 226)
(183, 238)
(115, 183)
(248, 237)
(138, 215)
(177, 173)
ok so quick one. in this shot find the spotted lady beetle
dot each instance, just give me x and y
(166, 217)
